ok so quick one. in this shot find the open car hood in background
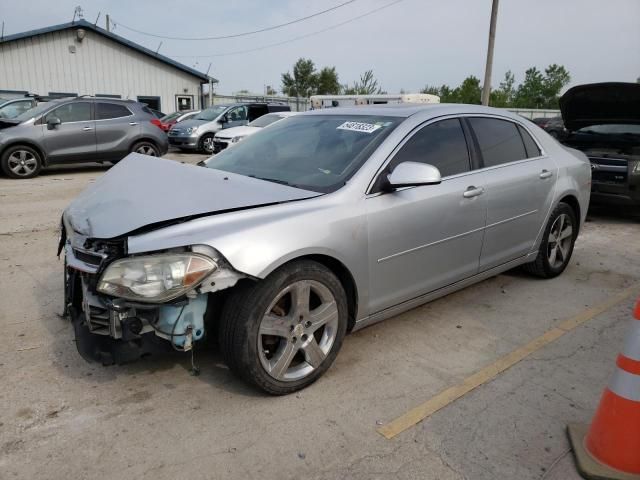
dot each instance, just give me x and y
(142, 191)
(600, 104)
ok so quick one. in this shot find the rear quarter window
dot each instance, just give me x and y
(529, 144)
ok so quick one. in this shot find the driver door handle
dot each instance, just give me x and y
(545, 174)
(472, 191)
(87, 129)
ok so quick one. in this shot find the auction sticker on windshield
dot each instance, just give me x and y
(359, 127)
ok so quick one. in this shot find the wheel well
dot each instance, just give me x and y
(144, 139)
(574, 204)
(43, 157)
(346, 279)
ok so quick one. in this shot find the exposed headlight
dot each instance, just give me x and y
(191, 130)
(155, 278)
(237, 139)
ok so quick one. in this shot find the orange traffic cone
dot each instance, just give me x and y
(610, 447)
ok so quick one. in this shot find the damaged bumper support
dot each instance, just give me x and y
(134, 306)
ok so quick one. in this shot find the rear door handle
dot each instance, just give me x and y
(545, 174)
(473, 192)
(133, 123)
(87, 129)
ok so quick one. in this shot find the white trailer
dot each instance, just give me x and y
(331, 101)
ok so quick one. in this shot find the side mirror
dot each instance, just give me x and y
(53, 122)
(414, 174)
(224, 119)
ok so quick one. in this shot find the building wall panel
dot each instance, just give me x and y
(44, 64)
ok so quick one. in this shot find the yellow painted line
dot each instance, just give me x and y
(444, 398)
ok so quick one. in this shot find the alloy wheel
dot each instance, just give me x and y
(207, 144)
(22, 163)
(297, 331)
(559, 242)
(146, 150)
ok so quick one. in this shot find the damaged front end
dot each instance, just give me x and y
(124, 307)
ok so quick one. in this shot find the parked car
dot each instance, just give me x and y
(321, 224)
(603, 121)
(12, 107)
(230, 136)
(552, 125)
(170, 120)
(82, 129)
(198, 133)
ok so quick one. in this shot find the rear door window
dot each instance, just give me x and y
(529, 144)
(441, 144)
(499, 141)
(72, 112)
(105, 111)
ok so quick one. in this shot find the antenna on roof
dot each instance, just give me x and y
(2, 35)
(158, 49)
(77, 12)
(95, 24)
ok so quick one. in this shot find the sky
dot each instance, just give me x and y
(407, 45)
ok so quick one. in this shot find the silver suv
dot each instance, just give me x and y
(83, 129)
(198, 132)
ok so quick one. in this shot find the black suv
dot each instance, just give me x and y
(603, 120)
(82, 129)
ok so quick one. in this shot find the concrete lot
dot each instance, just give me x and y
(64, 418)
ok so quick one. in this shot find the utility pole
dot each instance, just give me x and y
(108, 23)
(486, 88)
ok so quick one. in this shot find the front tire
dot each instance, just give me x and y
(206, 143)
(282, 333)
(20, 161)
(557, 243)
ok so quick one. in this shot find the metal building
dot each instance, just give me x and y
(79, 58)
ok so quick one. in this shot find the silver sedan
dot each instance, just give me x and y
(322, 224)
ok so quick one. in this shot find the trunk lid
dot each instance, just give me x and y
(146, 192)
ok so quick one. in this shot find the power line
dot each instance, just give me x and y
(235, 35)
(238, 52)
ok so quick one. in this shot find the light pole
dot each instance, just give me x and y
(486, 88)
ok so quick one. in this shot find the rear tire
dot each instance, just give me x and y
(557, 243)
(146, 148)
(282, 333)
(21, 161)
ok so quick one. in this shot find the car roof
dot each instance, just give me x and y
(405, 110)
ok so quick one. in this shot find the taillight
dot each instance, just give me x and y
(157, 123)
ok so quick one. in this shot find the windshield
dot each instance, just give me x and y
(265, 120)
(34, 112)
(314, 152)
(211, 113)
(171, 116)
(612, 129)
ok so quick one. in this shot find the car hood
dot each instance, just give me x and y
(143, 192)
(235, 131)
(190, 123)
(600, 104)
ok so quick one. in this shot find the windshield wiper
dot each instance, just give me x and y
(274, 180)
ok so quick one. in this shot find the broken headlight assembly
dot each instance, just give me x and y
(155, 278)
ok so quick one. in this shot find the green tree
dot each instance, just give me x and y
(503, 96)
(469, 90)
(304, 80)
(327, 82)
(368, 85)
(430, 89)
(555, 78)
(530, 92)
